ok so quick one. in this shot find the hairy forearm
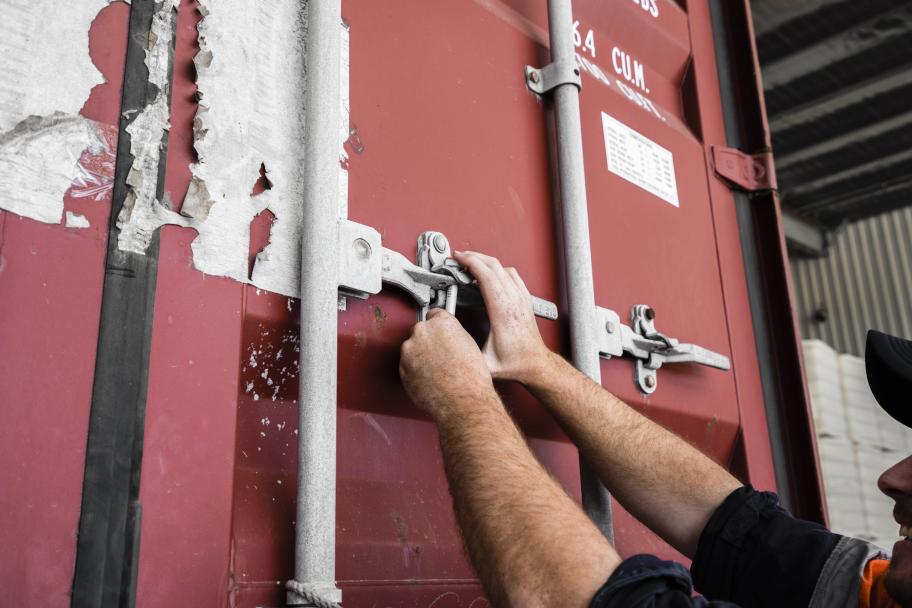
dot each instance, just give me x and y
(661, 479)
(530, 543)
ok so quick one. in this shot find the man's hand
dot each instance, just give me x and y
(514, 347)
(441, 362)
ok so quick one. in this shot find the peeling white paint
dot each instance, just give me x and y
(47, 77)
(75, 220)
(251, 77)
(142, 213)
(44, 58)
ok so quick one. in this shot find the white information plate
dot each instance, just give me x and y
(640, 160)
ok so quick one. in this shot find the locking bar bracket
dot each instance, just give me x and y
(360, 270)
(553, 75)
(649, 347)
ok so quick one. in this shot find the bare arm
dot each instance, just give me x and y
(531, 544)
(661, 479)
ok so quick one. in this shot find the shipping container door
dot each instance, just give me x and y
(443, 135)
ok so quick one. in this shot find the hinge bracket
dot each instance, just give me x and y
(750, 172)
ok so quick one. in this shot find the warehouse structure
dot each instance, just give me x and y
(837, 77)
(838, 80)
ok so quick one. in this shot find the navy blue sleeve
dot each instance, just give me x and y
(645, 581)
(754, 553)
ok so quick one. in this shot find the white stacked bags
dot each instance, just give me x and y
(856, 441)
(838, 460)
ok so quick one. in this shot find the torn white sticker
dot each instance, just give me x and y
(47, 77)
(39, 160)
(639, 160)
(75, 220)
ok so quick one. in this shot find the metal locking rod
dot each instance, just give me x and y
(648, 346)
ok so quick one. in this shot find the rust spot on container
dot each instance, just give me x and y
(379, 317)
(401, 527)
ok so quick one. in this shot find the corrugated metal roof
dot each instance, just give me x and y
(865, 282)
(838, 81)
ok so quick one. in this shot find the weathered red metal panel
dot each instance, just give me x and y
(50, 294)
(754, 438)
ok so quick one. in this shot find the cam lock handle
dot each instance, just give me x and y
(436, 281)
(434, 254)
(651, 348)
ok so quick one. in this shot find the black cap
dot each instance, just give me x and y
(888, 362)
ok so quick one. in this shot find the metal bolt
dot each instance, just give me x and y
(609, 327)
(650, 381)
(362, 249)
(534, 77)
(440, 242)
(650, 314)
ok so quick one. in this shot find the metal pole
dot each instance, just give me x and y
(315, 522)
(577, 253)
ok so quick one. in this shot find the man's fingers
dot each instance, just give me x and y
(518, 280)
(497, 288)
(436, 312)
(495, 266)
(491, 284)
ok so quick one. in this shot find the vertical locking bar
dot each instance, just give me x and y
(315, 513)
(584, 342)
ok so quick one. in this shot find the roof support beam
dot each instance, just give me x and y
(862, 37)
(783, 163)
(807, 189)
(772, 14)
(821, 107)
(855, 198)
(804, 236)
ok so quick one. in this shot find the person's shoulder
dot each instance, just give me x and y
(850, 575)
(754, 552)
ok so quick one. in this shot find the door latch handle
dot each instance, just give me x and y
(436, 281)
(435, 255)
(651, 348)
